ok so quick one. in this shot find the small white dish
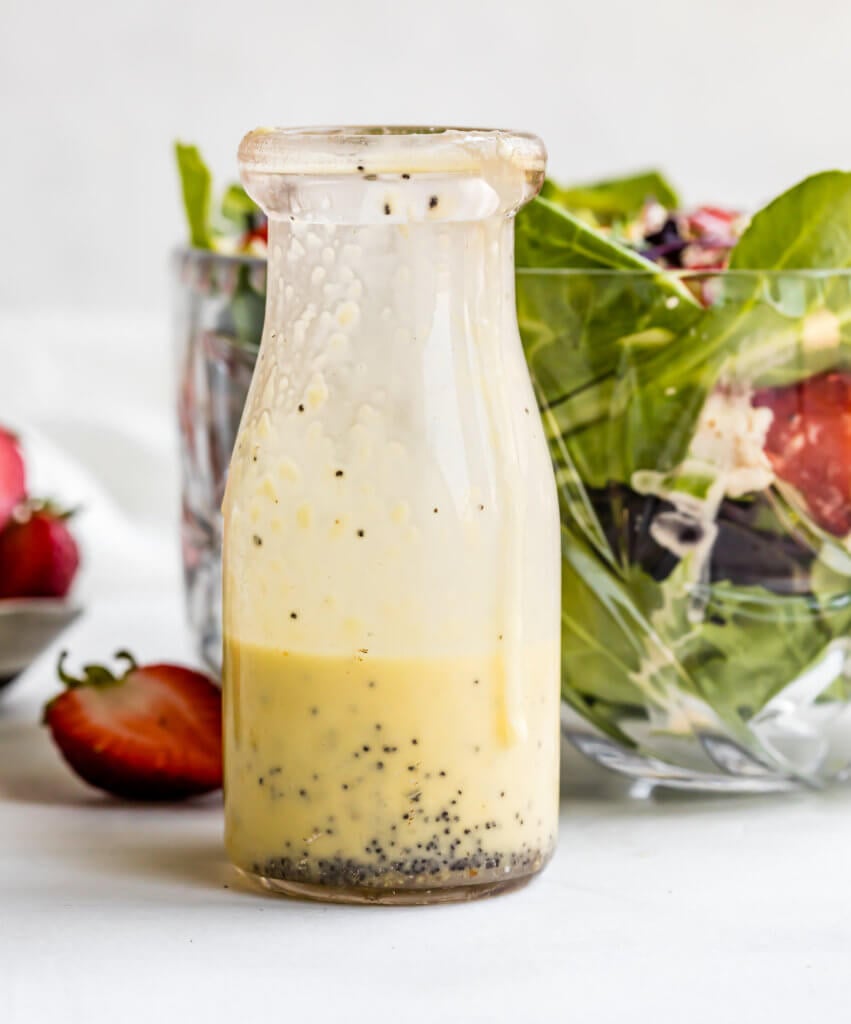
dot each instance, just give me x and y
(27, 627)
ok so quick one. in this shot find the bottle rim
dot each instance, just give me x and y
(378, 150)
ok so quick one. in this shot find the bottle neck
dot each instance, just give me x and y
(353, 285)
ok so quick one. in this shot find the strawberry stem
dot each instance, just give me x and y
(43, 506)
(123, 655)
(95, 675)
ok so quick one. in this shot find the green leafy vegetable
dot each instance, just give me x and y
(782, 333)
(623, 362)
(615, 418)
(196, 183)
(238, 207)
(624, 356)
(236, 215)
(247, 309)
(236, 220)
(587, 330)
(547, 236)
(615, 199)
(806, 228)
(634, 644)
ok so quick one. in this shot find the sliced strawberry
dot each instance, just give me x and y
(13, 482)
(809, 444)
(259, 233)
(714, 222)
(153, 733)
(712, 232)
(38, 555)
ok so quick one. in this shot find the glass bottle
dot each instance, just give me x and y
(391, 563)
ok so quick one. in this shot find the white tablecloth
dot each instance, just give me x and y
(675, 908)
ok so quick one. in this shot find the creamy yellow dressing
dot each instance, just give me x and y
(374, 771)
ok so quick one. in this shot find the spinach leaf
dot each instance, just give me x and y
(583, 329)
(575, 325)
(630, 642)
(793, 326)
(752, 644)
(614, 199)
(196, 183)
(548, 236)
(238, 207)
(247, 309)
(587, 337)
(806, 228)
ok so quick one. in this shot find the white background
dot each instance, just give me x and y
(735, 98)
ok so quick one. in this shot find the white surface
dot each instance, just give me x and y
(679, 908)
(736, 99)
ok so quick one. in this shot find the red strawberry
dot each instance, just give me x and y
(13, 485)
(257, 233)
(38, 555)
(153, 733)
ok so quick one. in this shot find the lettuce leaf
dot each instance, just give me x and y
(196, 186)
(238, 207)
(806, 228)
(615, 199)
(630, 642)
(587, 331)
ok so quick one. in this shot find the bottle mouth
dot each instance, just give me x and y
(389, 149)
(390, 174)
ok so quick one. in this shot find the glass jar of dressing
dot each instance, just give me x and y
(391, 564)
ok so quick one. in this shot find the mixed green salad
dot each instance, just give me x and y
(693, 370)
(694, 376)
(234, 225)
(235, 228)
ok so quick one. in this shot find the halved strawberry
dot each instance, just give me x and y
(38, 555)
(152, 733)
(13, 481)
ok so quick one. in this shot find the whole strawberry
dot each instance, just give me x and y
(150, 733)
(38, 555)
(13, 483)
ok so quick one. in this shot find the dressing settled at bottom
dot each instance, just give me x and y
(385, 772)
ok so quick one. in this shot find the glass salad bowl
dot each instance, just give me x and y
(700, 425)
(218, 307)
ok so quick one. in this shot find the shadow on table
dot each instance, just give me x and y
(178, 843)
(196, 861)
(32, 770)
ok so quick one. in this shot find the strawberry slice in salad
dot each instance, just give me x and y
(809, 444)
